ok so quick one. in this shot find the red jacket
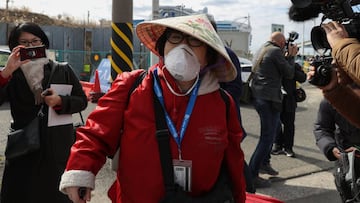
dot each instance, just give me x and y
(210, 137)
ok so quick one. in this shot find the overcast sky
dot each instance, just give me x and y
(262, 13)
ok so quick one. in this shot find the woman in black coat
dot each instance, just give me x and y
(34, 177)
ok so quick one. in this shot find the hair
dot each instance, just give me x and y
(26, 27)
(211, 54)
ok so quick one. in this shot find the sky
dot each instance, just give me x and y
(262, 13)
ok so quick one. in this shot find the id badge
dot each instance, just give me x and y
(182, 173)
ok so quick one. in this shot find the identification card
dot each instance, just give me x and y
(182, 173)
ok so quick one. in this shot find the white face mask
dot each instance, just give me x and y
(182, 63)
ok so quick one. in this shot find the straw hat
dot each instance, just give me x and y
(197, 26)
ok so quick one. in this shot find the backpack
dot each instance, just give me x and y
(347, 176)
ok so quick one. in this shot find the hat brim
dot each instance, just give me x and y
(197, 26)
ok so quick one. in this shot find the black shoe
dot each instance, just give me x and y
(289, 152)
(261, 182)
(277, 150)
(267, 169)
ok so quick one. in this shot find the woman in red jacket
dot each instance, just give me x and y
(204, 132)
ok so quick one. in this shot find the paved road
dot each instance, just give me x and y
(306, 178)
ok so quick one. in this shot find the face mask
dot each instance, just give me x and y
(182, 63)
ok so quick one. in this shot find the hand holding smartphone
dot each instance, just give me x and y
(46, 92)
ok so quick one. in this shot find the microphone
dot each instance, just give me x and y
(303, 14)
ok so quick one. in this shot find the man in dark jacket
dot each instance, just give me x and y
(334, 134)
(284, 140)
(271, 65)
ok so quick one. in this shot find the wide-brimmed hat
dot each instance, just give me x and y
(197, 26)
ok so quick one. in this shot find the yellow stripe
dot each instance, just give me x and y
(115, 67)
(122, 35)
(121, 54)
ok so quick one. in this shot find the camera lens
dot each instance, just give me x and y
(318, 38)
(324, 71)
(31, 53)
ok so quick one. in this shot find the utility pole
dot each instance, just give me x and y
(155, 9)
(155, 15)
(7, 17)
(122, 37)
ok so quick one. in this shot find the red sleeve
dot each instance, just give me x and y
(3, 81)
(99, 137)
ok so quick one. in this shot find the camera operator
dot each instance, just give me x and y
(345, 53)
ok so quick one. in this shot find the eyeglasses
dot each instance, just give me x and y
(178, 37)
(34, 42)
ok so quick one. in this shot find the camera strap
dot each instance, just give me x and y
(257, 64)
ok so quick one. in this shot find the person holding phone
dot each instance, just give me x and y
(34, 177)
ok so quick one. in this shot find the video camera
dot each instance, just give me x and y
(342, 11)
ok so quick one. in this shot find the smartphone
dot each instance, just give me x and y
(32, 52)
(46, 93)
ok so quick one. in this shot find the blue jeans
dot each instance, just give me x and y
(269, 121)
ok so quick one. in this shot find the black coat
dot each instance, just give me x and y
(333, 130)
(35, 177)
(289, 85)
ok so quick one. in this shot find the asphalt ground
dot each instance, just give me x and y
(306, 178)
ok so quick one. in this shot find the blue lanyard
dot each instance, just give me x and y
(178, 138)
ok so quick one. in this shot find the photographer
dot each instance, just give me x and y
(345, 71)
(271, 65)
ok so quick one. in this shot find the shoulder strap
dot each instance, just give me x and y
(257, 64)
(163, 138)
(53, 66)
(137, 82)
(226, 99)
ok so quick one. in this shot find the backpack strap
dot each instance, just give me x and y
(137, 82)
(257, 63)
(139, 79)
(226, 99)
(163, 138)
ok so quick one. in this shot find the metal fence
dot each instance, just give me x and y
(84, 63)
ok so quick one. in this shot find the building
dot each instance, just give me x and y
(235, 34)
